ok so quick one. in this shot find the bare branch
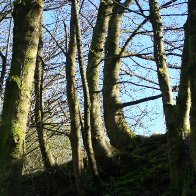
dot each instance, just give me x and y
(122, 105)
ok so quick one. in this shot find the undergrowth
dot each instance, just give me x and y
(144, 171)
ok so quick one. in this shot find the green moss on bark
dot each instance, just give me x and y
(117, 129)
(102, 147)
(18, 93)
(192, 57)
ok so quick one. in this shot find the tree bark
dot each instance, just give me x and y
(4, 59)
(3, 70)
(47, 157)
(102, 147)
(118, 131)
(182, 170)
(27, 16)
(183, 101)
(192, 58)
(75, 134)
(176, 116)
(87, 106)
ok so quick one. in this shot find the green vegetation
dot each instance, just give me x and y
(82, 87)
(142, 171)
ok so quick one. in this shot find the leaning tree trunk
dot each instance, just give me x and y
(176, 116)
(47, 157)
(87, 106)
(102, 147)
(192, 58)
(75, 134)
(117, 128)
(27, 16)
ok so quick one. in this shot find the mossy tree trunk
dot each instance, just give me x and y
(117, 128)
(3, 71)
(192, 58)
(183, 101)
(102, 147)
(176, 116)
(87, 105)
(27, 16)
(47, 157)
(75, 134)
(183, 169)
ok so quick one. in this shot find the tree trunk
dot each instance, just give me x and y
(3, 71)
(27, 16)
(87, 106)
(47, 157)
(75, 134)
(192, 58)
(176, 116)
(4, 60)
(184, 98)
(102, 147)
(118, 131)
(181, 155)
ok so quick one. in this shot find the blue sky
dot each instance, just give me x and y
(146, 118)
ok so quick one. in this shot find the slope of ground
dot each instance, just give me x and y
(144, 171)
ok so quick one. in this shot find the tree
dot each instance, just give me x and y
(47, 157)
(27, 17)
(118, 131)
(74, 108)
(102, 147)
(87, 106)
(176, 116)
(134, 42)
(192, 58)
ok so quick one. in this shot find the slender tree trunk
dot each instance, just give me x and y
(101, 145)
(183, 170)
(118, 131)
(27, 16)
(176, 116)
(3, 70)
(47, 157)
(87, 105)
(75, 134)
(184, 98)
(4, 60)
(192, 58)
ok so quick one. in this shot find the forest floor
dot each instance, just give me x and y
(143, 172)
